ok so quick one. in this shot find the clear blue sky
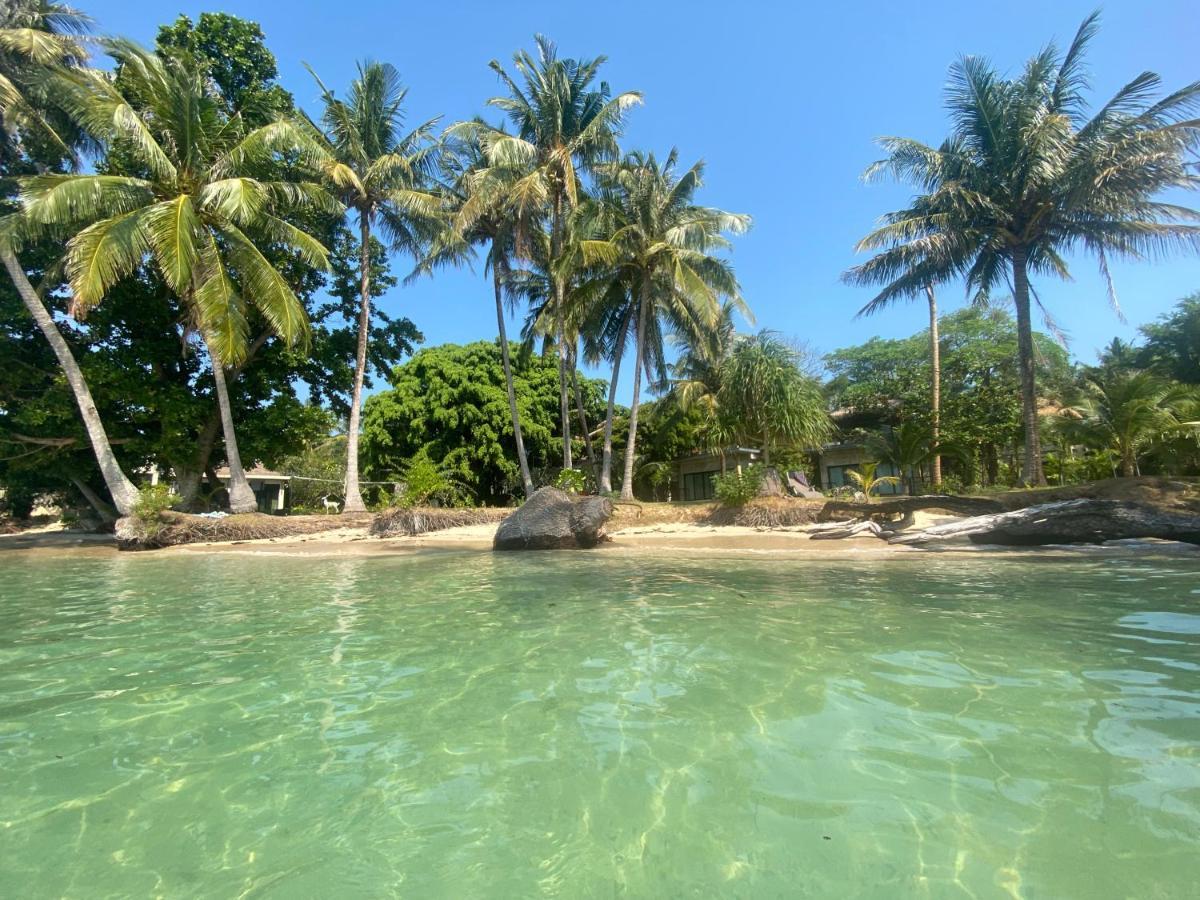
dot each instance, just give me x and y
(781, 100)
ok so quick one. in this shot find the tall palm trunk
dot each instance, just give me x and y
(935, 356)
(241, 498)
(353, 497)
(559, 330)
(124, 494)
(606, 460)
(522, 459)
(580, 411)
(1032, 469)
(631, 447)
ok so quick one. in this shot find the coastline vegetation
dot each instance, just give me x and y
(194, 264)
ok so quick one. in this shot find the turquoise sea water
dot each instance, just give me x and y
(599, 725)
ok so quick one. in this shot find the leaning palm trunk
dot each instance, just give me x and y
(631, 447)
(353, 496)
(1031, 471)
(559, 331)
(522, 459)
(606, 461)
(935, 355)
(124, 494)
(241, 498)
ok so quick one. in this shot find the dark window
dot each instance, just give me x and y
(838, 477)
(699, 486)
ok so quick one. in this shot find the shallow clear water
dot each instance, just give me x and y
(599, 725)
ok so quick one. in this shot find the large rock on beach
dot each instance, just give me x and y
(551, 520)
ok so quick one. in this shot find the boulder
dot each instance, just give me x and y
(551, 520)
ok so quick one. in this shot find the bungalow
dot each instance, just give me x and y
(693, 475)
(838, 458)
(270, 488)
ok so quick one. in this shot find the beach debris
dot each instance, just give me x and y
(1083, 521)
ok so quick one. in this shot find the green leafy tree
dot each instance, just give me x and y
(1029, 175)
(385, 177)
(232, 52)
(487, 212)
(451, 401)
(201, 208)
(885, 382)
(1172, 344)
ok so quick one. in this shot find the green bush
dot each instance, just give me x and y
(153, 500)
(573, 481)
(738, 488)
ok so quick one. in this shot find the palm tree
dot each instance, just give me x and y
(201, 207)
(37, 37)
(1027, 176)
(907, 448)
(866, 274)
(662, 245)
(1130, 411)
(386, 178)
(771, 399)
(868, 482)
(564, 125)
(484, 214)
(696, 378)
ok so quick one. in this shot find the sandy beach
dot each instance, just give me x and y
(674, 539)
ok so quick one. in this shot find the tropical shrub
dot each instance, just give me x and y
(573, 481)
(738, 488)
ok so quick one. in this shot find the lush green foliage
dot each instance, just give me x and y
(572, 481)
(153, 501)
(885, 383)
(738, 488)
(866, 480)
(1029, 175)
(451, 402)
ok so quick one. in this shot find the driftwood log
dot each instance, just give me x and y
(1065, 522)
(883, 510)
(828, 531)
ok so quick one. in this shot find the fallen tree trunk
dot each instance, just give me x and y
(1065, 522)
(827, 531)
(885, 509)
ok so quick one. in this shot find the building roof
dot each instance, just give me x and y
(258, 472)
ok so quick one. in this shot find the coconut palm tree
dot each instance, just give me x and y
(1130, 411)
(868, 482)
(564, 124)
(37, 37)
(696, 378)
(482, 214)
(1029, 175)
(201, 207)
(769, 397)
(865, 274)
(386, 178)
(663, 245)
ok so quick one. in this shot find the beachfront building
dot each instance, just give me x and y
(693, 475)
(270, 488)
(839, 458)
